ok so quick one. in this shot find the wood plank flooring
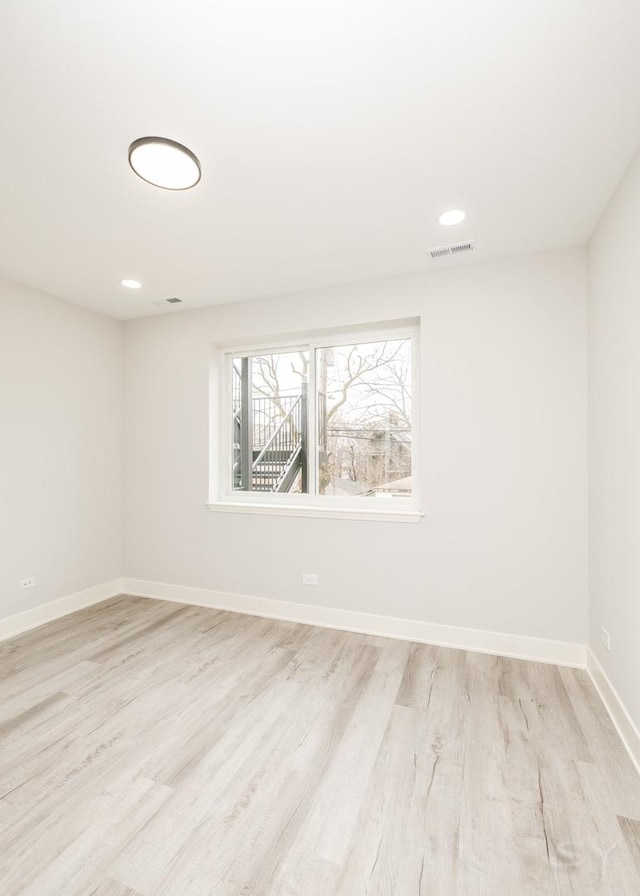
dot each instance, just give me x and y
(150, 749)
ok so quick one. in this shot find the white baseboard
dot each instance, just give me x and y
(22, 622)
(560, 653)
(623, 722)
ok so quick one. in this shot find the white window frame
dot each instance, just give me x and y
(378, 507)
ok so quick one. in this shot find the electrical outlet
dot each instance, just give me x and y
(309, 578)
(27, 583)
(606, 638)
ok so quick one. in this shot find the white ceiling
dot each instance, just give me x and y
(331, 134)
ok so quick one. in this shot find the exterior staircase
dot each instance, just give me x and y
(268, 457)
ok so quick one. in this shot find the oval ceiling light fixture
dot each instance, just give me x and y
(453, 216)
(131, 284)
(164, 163)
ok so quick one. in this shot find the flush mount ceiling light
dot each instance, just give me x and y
(164, 163)
(131, 284)
(453, 216)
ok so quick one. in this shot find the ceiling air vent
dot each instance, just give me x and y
(174, 300)
(457, 249)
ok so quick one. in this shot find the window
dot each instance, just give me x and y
(328, 422)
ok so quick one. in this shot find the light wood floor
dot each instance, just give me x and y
(148, 748)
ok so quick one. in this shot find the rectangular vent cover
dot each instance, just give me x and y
(457, 249)
(174, 301)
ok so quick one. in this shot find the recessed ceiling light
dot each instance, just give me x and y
(131, 284)
(164, 163)
(453, 216)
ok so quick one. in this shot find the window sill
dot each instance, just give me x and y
(332, 513)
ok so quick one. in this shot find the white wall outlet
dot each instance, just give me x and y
(606, 638)
(27, 583)
(309, 578)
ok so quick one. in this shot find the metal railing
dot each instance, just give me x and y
(279, 452)
(269, 438)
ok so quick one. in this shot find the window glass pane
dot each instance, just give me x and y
(364, 419)
(269, 408)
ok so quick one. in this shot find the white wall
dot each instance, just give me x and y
(60, 447)
(614, 438)
(503, 545)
